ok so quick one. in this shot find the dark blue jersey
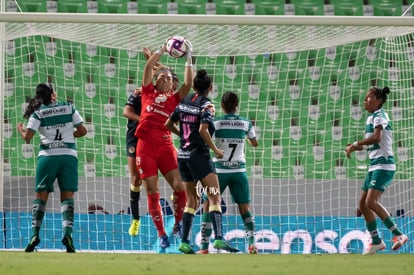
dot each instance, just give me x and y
(190, 113)
(134, 100)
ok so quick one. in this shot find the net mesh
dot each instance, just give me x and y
(302, 87)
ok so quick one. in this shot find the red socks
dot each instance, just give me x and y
(155, 211)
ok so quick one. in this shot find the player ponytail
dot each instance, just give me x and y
(43, 95)
(381, 93)
(202, 82)
(229, 102)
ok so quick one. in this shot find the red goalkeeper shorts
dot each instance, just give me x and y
(153, 156)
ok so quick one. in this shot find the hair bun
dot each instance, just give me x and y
(386, 90)
(202, 73)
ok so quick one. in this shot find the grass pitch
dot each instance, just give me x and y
(16, 262)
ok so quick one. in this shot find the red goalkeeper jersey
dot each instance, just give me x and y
(156, 108)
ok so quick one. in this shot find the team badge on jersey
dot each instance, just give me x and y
(161, 98)
(131, 149)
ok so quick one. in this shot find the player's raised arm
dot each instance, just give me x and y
(149, 66)
(188, 73)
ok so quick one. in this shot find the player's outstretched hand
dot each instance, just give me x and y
(147, 52)
(189, 46)
(189, 51)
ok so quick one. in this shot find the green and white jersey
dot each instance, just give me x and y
(230, 136)
(380, 155)
(55, 124)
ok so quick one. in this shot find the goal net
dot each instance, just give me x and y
(301, 80)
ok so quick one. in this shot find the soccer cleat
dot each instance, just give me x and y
(399, 241)
(68, 242)
(252, 249)
(134, 228)
(186, 248)
(177, 230)
(34, 241)
(202, 251)
(164, 242)
(222, 245)
(373, 248)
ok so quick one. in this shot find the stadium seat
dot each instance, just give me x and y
(355, 76)
(31, 5)
(9, 90)
(271, 77)
(28, 43)
(316, 75)
(27, 76)
(254, 156)
(402, 154)
(295, 134)
(348, 7)
(72, 6)
(112, 6)
(91, 56)
(131, 61)
(113, 160)
(11, 6)
(333, 59)
(51, 53)
(20, 166)
(153, 6)
(356, 166)
(291, 61)
(231, 7)
(68, 76)
(11, 49)
(317, 161)
(132, 7)
(210, 63)
(386, 7)
(277, 156)
(406, 6)
(289, 95)
(192, 6)
(279, 119)
(88, 89)
(370, 55)
(112, 104)
(338, 160)
(355, 116)
(314, 115)
(328, 8)
(227, 71)
(337, 136)
(269, 7)
(309, 7)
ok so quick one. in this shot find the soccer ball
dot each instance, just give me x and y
(176, 46)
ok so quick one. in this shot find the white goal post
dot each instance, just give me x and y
(301, 80)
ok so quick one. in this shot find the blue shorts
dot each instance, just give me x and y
(196, 167)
